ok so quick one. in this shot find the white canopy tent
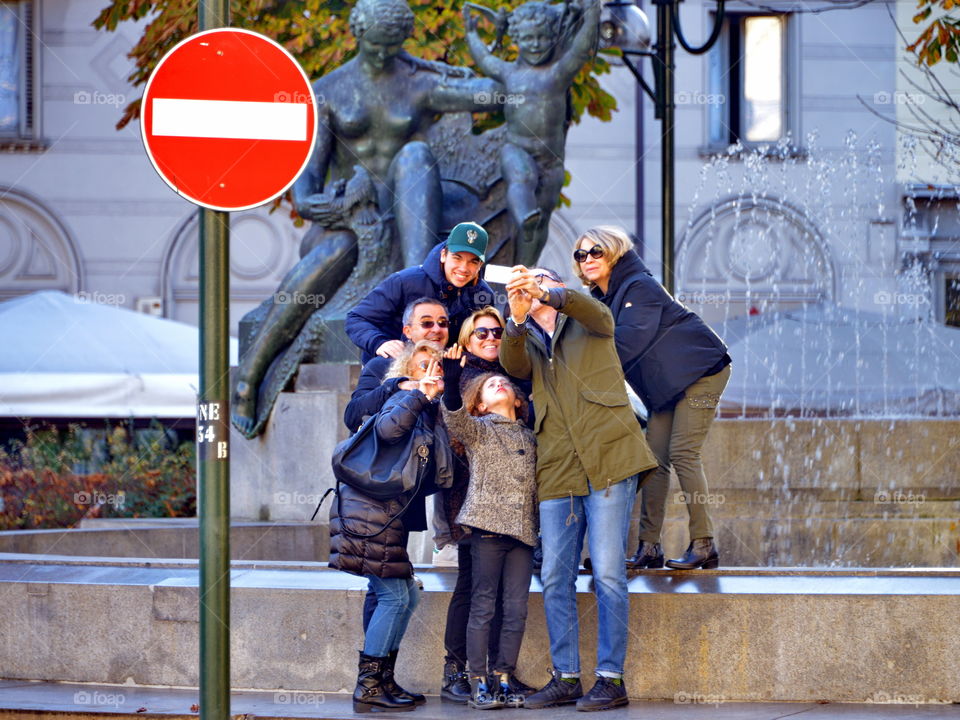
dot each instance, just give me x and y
(63, 357)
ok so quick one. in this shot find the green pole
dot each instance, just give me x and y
(213, 434)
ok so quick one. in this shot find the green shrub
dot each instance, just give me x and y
(57, 477)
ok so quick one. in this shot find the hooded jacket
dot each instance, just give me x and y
(385, 555)
(586, 431)
(664, 348)
(379, 316)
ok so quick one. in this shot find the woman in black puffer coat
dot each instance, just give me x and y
(383, 558)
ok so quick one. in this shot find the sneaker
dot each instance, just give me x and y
(556, 692)
(447, 556)
(604, 695)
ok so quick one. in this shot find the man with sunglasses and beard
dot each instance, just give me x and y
(450, 273)
(591, 452)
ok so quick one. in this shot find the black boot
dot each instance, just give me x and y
(701, 553)
(483, 696)
(455, 687)
(370, 694)
(512, 690)
(648, 555)
(390, 683)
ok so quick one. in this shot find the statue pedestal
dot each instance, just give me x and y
(282, 473)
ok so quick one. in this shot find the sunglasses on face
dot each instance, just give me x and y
(540, 276)
(596, 252)
(481, 333)
(428, 324)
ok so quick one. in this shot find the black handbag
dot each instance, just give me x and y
(379, 469)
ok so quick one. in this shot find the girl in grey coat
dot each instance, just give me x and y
(501, 508)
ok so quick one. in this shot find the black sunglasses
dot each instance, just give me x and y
(427, 324)
(595, 252)
(540, 276)
(482, 333)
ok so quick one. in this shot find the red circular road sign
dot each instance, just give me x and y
(228, 119)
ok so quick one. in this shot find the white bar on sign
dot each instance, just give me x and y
(229, 119)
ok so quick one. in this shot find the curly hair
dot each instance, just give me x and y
(394, 16)
(400, 367)
(534, 13)
(474, 388)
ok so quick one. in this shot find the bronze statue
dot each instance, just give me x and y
(554, 43)
(397, 164)
(372, 112)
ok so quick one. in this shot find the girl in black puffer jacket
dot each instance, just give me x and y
(383, 558)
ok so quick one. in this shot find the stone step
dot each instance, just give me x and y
(61, 701)
(748, 634)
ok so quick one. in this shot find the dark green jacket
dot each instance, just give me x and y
(585, 427)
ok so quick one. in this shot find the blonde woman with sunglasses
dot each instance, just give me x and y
(679, 368)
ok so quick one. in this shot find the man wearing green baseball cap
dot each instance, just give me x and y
(450, 273)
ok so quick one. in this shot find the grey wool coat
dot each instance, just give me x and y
(502, 494)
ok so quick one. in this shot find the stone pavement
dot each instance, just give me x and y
(20, 700)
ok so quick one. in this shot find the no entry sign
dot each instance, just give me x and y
(228, 119)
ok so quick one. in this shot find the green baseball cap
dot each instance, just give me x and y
(468, 237)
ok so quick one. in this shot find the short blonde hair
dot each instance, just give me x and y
(470, 324)
(400, 367)
(614, 241)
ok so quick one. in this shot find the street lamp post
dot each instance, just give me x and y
(624, 25)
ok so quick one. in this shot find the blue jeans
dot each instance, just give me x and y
(396, 600)
(602, 516)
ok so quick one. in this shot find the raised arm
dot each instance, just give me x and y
(488, 63)
(589, 312)
(462, 425)
(513, 348)
(584, 43)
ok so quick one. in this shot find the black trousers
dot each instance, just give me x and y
(458, 612)
(500, 564)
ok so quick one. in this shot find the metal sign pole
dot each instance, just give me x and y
(213, 433)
